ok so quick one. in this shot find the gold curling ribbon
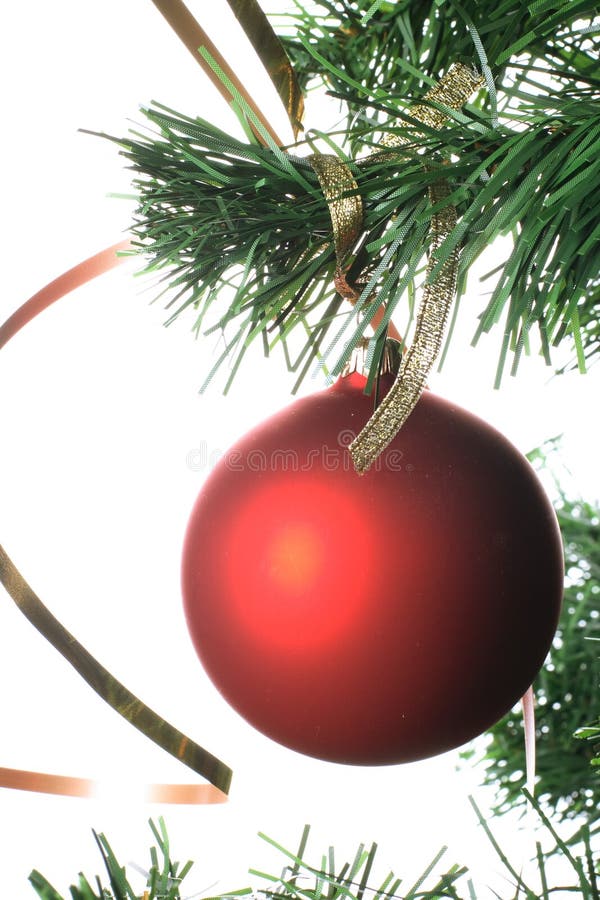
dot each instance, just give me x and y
(272, 55)
(438, 294)
(122, 701)
(453, 91)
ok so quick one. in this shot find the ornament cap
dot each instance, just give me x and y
(390, 358)
(358, 359)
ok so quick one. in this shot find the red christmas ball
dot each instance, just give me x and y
(380, 618)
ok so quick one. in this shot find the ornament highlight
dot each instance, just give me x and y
(372, 619)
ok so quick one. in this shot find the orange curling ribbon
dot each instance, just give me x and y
(69, 786)
(193, 36)
(100, 679)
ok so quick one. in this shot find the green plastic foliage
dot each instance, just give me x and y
(163, 882)
(327, 879)
(540, 63)
(241, 234)
(392, 48)
(591, 733)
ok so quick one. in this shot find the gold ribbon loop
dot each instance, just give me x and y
(401, 399)
(453, 91)
(345, 209)
(106, 685)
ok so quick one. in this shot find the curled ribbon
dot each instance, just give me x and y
(417, 362)
(346, 211)
(453, 91)
(272, 55)
(100, 679)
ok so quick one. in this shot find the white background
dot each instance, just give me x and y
(101, 416)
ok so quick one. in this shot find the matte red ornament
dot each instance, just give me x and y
(380, 618)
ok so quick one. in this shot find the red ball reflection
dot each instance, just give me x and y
(306, 575)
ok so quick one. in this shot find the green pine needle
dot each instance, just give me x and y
(164, 877)
(302, 880)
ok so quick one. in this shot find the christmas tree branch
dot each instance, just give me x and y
(216, 213)
(393, 49)
(329, 880)
(540, 65)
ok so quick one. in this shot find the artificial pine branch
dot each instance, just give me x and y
(540, 62)
(216, 213)
(355, 880)
(394, 47)
(163, 879)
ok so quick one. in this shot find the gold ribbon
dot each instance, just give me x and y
(453, 91)
(417, 362)
(100, 679)
(345, 210)
(272, 55)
